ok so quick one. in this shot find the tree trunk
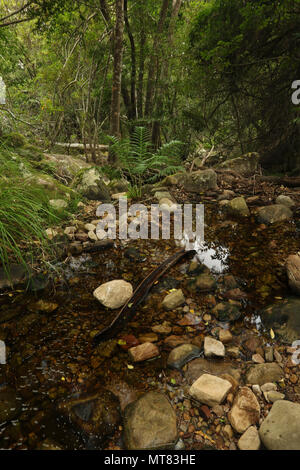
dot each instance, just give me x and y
(154, 58)
(140, 88)
(117, 69)
(133, 108)
(164, 74)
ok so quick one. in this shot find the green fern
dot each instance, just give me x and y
(140, 163)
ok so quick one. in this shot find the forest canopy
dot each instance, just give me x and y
(212, 73)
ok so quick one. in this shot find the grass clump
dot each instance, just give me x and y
(24, 215)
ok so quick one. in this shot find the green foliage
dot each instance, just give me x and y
(247, 55)
(14, 140)
(24, 214)
(111, 172)
(140, 162)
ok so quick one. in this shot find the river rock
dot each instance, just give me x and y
(148, 338)
(263, 373)
(238, 206)
(18, 274)
(245, 411)
(90, 183)
(225, 311)
(10, 406)
(272, 396)
(201, 366)
(250, 440)
(200, 181)
(268, 387)
(210, 390)
(281, 428)
(225, 336)
(245, 165)
(70, 232)
(150, 423)
(114, 294)
(293, 272)
(213, 347)
(285, 200)
(58, 204)
(163, 329)
(284, 318)
(179, 356)
(94, 416)
(159, 195)
(143, 352)
(274, 213)
(173, 300)
(51, 233)
(166, 204)
(43, 306)
(205, 283)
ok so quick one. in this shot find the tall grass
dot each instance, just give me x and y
(24, 215)
(24, 212)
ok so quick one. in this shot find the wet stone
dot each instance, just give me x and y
(238, 206)
(285, 200)
(263, 373)
(210, 390)
(293, 272)
(148, 338)
(200, 366)
(213, 348)
(273, 396)
(143, 352)
(225, 336)
(225, 311)
(281, 428)
(273, 214)
(92, 415)
(173, 300)
(283, 317)
(150, 423)
(250, 440)
(205, 283)
(44, 306)
(245, 411)
(114, 294)
(182, 354)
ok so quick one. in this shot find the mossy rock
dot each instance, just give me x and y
(89, 182)
(14, 139)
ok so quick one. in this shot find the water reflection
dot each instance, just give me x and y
(215, 257)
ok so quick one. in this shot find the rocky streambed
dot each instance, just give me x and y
(206, 362)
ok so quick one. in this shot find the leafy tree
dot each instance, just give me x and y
(248, 56)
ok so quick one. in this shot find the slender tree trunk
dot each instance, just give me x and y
(133, 107)
(140, 87)
(117, 69)
(164, 74)
(154, 58)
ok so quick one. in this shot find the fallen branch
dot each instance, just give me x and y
(138, 296)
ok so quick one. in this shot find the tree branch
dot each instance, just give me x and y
(17, 11)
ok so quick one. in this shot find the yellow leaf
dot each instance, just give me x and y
(272, 334)
(130, 367)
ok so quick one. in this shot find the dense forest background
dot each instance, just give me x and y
(214, 73)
